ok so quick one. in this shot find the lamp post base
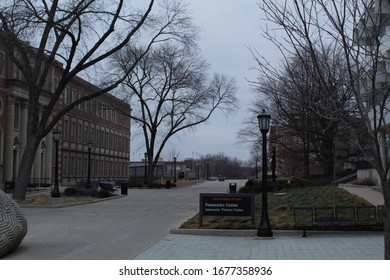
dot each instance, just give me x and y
(264, 232)
(55, 193)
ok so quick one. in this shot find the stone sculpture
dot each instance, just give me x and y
(13, 224)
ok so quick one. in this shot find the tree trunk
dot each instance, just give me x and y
(386, 215)
(306, 164)
(23, 177)
(386, 221)
(150, 175)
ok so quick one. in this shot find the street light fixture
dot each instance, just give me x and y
(174, 174)
(56, 189)
(89, 145)
(264, 228)
(146, 158)
(207, 171)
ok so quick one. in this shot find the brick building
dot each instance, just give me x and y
(95, 121)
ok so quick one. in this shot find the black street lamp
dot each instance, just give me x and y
(264, 228)
(174, 174)
(56, 189)
(89, 145)
(207, 171)
(146, 158)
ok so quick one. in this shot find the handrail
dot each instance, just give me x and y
(350, 176)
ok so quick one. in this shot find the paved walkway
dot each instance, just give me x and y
(137, 227)
(285, 246)
(373, 196)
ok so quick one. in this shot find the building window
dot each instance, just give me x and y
(102, 142)
(91, 134)
(79, 133)
(89, 106)
(86, 138)
(79, 168)
(73, 132)
(65, 167)
(97, 138)
(73, 96)
(96, 167)
(98, 108)
(71, 167)
(82, 105)
(67, 96)
(66, 130)
(55, 85)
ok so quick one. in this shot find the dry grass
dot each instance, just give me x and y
(45, 199)
(280, 208)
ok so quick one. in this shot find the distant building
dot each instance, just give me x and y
(373, 33)
(94, 121)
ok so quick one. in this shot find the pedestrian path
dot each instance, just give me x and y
(370, 194)
(290, 246)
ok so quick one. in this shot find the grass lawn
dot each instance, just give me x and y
(280, 207)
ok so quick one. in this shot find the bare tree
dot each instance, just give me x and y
(170, 91)
(300, 104)
(81, 35)
(359, 29)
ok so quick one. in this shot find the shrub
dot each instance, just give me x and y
(71, 192)
(155, 185)
(254, 186)
(88, 192)
(107, 187)
(103, 193)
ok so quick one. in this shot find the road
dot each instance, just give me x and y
(111, 230)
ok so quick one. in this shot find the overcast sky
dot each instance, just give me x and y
(227, 28)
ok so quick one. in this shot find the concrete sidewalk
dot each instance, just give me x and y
(371, 194)
(286, 245)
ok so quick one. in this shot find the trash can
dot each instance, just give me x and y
(232, 188)
(124, 188)
(168, 184)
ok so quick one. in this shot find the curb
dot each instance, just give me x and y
(215, 232)
(252, 232)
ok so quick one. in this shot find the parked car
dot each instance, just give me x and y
(221, 178)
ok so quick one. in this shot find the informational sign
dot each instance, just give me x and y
(222, 204)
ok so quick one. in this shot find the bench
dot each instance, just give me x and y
(303, 219)
(366, 217)
(324, 217)
(345, 217)
(338, 218)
